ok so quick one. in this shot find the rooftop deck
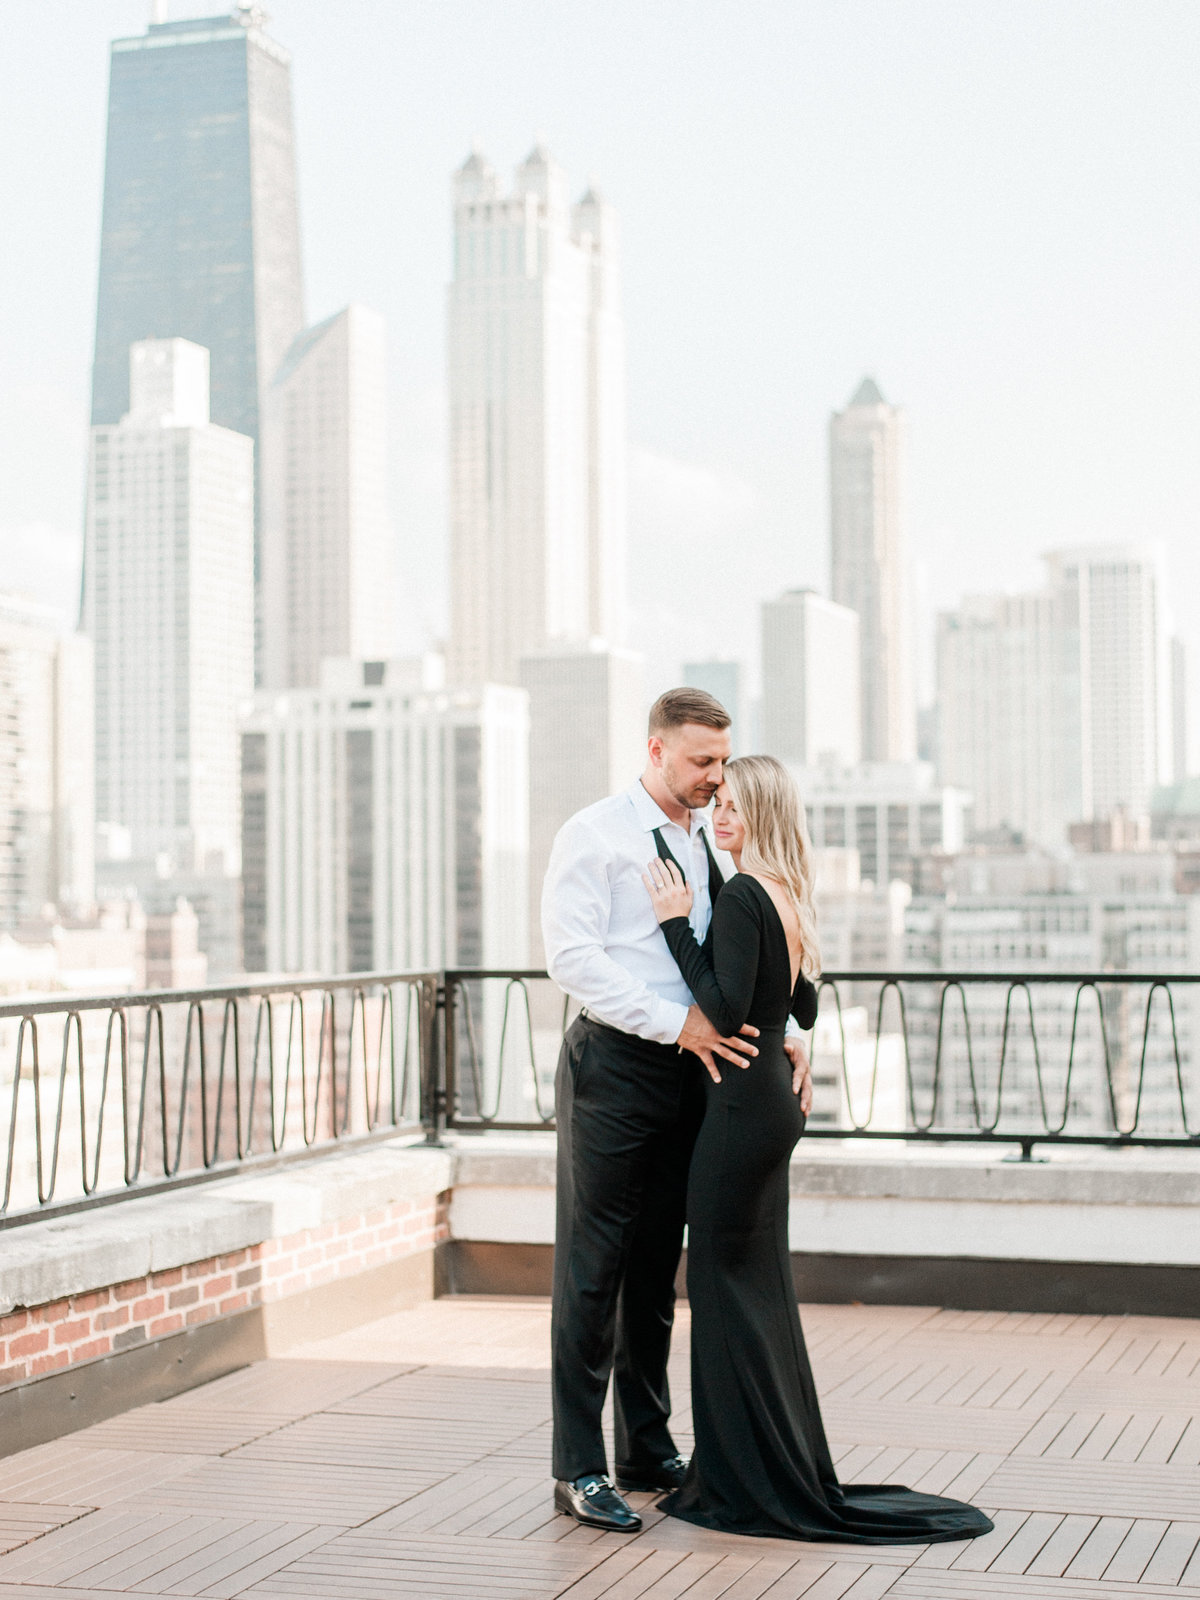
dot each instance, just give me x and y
(409, 1457)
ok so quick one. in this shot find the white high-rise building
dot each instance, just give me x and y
(890, 813)
(870, 566)
(170, 611)
(537, 419)
(1055, 706)
(811, 706)
(1008, 710)
(328, 578)
(47, 800)
(385, 824)
(1114, 597)
(587, 739)
(1179, 710)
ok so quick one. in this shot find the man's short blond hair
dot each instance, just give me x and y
(677, 706)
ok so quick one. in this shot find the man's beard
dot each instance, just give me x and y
(694, 799)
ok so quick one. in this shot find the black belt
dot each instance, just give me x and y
(670, 1050)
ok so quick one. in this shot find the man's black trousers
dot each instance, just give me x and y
(628, 1112)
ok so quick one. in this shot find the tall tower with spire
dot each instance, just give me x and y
(537, 418)
(869, 565)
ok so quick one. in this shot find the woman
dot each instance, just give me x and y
(762, 1465)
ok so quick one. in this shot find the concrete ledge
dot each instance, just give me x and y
(52, 1260)
(1066, 1176)
(863, 1169)
(1085, 1231)
(1096, 1206)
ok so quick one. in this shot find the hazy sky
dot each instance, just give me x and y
(992, 208)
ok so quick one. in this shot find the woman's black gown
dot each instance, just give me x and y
(761, 1464)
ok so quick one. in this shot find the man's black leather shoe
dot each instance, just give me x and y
(664, 1475)
(595, 1499)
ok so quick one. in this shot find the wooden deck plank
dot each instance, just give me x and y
(291, 1386)
(1160, 1446)
(192, 1431)
(922, 1584)
(68, 1473)
(1098, 1549)
(1132, 1392)
(1035, 1484)
(442, 1567)
(1170, 1560)
(1134, 1437)
(938, 1427)
(1027, 1544)
(979, 1554)
(350, 1477)
(340, 1495)
(1062, 1547)
(845, 1580)
(19, 1523)
(69, 1552)
(423, 1447)
(1136, 1550)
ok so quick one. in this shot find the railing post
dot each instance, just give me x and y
(435, 997)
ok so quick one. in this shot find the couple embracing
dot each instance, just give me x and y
(682, 1091)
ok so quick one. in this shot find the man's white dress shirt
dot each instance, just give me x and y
(603, 943)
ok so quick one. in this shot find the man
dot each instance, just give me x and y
(630, 1098)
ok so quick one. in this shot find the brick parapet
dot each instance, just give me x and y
(202, 1255)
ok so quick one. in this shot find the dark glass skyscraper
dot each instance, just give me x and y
(200, 236)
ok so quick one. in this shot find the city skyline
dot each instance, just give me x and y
(1028, 432)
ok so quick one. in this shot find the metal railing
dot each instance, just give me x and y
(1021, 1059)
(145, 1092)
(139, 1093)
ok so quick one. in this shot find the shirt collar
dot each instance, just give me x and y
(650, 814)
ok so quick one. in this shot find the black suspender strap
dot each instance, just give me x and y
(715, 881)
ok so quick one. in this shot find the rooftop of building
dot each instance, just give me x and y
(868, 393)
(410, 1456)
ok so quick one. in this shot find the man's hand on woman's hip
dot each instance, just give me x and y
(702, 1039)
(801, 1073)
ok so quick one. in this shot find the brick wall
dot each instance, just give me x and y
(64, 1333)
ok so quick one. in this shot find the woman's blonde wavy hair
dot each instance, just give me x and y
(769, 804)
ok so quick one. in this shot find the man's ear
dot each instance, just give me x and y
(655, 746)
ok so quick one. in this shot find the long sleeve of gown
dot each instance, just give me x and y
(721, 973)
(804, 1002)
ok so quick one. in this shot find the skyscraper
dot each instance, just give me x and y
(537, 426)
(169, 608)
(1009, 730)
(1114, 597)
(47, 820)
(811, 710)
(869, 566)
(587, 739)
(327, 575)
(1055, 707)
(385, 825)
(200, 236)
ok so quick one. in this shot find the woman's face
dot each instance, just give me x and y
(728, 828)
